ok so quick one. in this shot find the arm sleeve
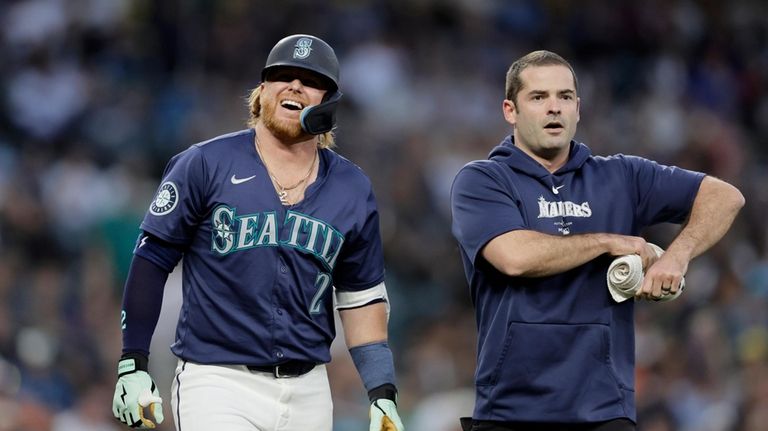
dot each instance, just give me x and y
(142, 301)
(162, 253)
(663, 194)
(482, 208)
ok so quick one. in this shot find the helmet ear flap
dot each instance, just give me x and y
(321, 118)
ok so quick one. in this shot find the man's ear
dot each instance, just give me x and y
(578, 109)
(510, 111)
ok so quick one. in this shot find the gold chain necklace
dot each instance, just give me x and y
(282, 192)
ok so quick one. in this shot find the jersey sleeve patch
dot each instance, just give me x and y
(166, 199)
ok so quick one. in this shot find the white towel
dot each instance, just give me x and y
(625, 277)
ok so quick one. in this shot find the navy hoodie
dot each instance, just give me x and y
(557, 348)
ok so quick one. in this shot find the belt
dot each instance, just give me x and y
(286, 369)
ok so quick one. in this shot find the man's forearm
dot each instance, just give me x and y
(716, 205)
(526, 253)
(364, 325)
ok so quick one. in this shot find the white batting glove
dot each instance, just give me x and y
(384, 416)
(134, 391)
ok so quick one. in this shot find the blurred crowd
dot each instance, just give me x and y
(96, 95)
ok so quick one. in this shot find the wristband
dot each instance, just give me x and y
(132, 362)
(375, 365)
(387, 391)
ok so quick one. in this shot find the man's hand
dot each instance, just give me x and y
(622, 245)
(134, 391)
(384, 416)
(663, 277)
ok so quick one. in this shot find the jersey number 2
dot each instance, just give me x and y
(322, 282)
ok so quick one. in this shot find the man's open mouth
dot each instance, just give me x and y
(292, 105)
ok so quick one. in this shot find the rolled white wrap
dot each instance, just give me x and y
(625, 277)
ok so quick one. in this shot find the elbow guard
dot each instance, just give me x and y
(352, 299)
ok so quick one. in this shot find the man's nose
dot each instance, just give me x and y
(296, 84)
(554, 106)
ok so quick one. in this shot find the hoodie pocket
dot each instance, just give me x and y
(557, 363)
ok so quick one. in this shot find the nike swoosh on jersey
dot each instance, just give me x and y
(556, 190)
(236, 180)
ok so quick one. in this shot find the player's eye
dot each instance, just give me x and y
(307, 81)
(311, 82)
(280, 77)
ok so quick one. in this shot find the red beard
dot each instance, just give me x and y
(281, 129)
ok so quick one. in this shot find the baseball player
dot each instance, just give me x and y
(272, 225)
(537, 224)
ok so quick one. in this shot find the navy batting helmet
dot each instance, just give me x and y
(311, 53)
(306, 52)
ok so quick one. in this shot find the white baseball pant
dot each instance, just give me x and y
(233, 398)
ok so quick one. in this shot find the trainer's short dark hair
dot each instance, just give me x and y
(536, 58)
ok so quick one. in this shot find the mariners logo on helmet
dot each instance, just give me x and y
(303, 48)
(166, 199)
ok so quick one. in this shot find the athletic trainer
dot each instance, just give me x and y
(538, 224)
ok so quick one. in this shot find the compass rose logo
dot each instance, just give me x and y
(223, 230)
(166, 199)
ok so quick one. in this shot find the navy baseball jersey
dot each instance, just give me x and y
(557, 348)
(258, 277)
